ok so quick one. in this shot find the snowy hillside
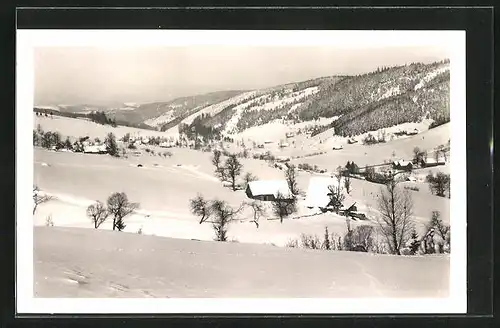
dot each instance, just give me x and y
(387, 97)
(148, 266)
(267, 102)
(165, 118)
(352, 105)
(217, 108)
(56, 108)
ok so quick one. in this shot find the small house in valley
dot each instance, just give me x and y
(318, 196)
(337, 147)
(432, 161)
(317, 191)
(413, 132)
(268, 190)
(283, 159)
(402, 165)
(166, 144)
(95, 149)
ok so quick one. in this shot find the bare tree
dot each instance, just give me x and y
(418, 155)
(119, 206)
(396, 216)
(38, 198)
(232, 170)
(310, 241)
(362, 238)
(283, 206)
(258, 211)
(442, 149)
(436, 155)
(442, 228)
(216, 161)
(336, 192)
(36, 138)
(292, 243)
(347, 183)
(200, 207)
(223, 216)
(348, 239)
(439, 183)
(436, 224)
(97, 213)
(249, 177)
(291, 179)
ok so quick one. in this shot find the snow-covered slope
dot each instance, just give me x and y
(415, 93)
(148, 266)
(268, 102)
(217, 108)
(431, 75)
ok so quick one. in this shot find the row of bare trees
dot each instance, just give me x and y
(396, 216)
(220, 214)
(359, 239)
(395, 225)
(395, 221)
(439, 184)
(49, 139)
(118, 207)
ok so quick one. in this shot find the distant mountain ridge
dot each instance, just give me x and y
(355, 104)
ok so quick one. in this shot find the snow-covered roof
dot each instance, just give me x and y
(348, 201)
(269, 187)
(430, 160)
(317, 192)
(283, 158)
(402, 163)
(94, 149)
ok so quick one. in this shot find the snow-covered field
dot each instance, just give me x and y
(363, 155)
(80, 128)
(73, 259)
(163, 188)
(71, 262)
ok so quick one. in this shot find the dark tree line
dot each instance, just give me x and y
(198, 128)
(101, 118)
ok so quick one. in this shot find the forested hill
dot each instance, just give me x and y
(355, 104)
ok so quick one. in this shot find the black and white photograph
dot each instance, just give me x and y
(241, 171)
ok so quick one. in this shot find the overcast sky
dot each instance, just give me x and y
(74, 75)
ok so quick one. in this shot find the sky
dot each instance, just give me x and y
(104, 75)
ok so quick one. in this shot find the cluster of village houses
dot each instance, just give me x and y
(317, 195)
